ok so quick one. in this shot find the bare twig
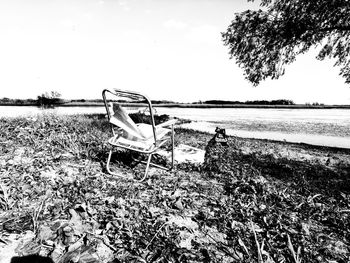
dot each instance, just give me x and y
(241, 243)
(150, 242)
(36, 215)
(291, 248)
(260, 259)
(6, 197)
(3, 241)
(76, 165)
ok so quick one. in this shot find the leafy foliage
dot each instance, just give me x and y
(49, 99)
(264, 41)
(240, 206)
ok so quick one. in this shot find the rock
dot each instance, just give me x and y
(45, 233)
(178, 204)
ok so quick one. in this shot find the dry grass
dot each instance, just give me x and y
(239, 206)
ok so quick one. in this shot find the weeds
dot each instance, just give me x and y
(238, 207)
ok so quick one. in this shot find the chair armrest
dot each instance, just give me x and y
(167, 123)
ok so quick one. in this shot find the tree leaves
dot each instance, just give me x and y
(263, 42)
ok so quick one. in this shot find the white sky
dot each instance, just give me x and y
(167, 49)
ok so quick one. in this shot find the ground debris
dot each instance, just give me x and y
(241, 205)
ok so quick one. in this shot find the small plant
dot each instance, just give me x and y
(49, 99)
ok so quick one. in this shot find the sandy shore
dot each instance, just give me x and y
(313, 139)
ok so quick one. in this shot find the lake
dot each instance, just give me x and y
(328, 127)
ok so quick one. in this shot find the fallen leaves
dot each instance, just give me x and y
(237, 207)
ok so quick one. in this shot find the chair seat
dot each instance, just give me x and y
(124, 139)
(147, 131)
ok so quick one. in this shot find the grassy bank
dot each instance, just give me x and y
(253, 201)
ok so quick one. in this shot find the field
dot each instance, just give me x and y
(250, 201)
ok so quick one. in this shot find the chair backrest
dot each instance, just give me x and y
(118, 116)
(121, 119)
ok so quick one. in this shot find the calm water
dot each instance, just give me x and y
(336, 116)
(17, 111)
(208, 119)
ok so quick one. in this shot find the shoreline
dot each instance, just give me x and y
(189, 105)
(318, 134)
(317, 140)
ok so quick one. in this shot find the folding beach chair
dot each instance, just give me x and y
(142, 138)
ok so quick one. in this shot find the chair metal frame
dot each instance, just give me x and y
(155, 145)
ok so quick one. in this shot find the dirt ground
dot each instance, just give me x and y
(250, 201)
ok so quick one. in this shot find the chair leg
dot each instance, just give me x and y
(115, 174)
(108, 164)
(148, 163)
(147, 168)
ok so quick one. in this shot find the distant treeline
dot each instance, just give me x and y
(53, 99)
(47, 99)
(125, 101)
(254, 102)
(8, 101)
(84, 101)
